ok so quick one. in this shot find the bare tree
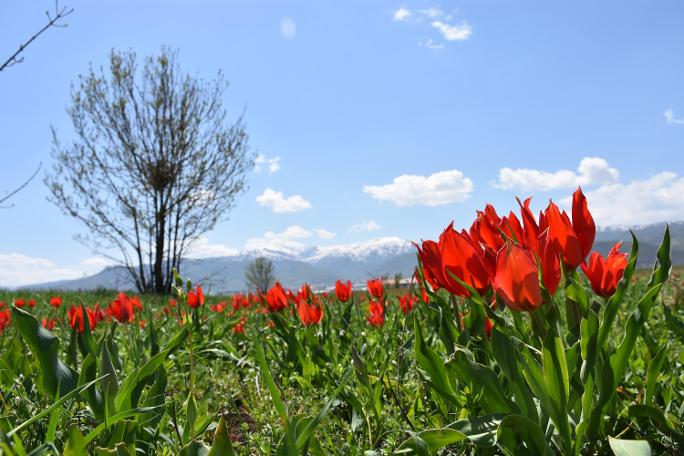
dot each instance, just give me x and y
(154, 165)
(259, 275)
(54, 20)
(10, 193)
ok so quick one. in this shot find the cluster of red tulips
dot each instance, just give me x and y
(123, 308)
(520, 259)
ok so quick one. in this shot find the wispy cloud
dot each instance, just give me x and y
(430, 44)
(437, 189)
(288, 28)
(364, 227)
(591, 171)
(452, 32)
(278, 203)
(671, 119)
(436, 19)
(401, 14)
(264, 163)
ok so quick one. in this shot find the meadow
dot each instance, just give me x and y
(513, 339)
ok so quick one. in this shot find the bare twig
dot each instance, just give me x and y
(53, 21)
(18, 189)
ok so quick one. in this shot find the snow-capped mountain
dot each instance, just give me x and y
(293, 264)
(321, 266)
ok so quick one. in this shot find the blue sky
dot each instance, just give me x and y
(474, 101)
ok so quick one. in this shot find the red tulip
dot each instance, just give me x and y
(583, 222)
(461, 258)
(76, 318)
(430, 256)
(239, 327)
(485, 228)
(48, 323)
(572, 240)
(32, 303)
(406, 302)
(276, 298)
(309, 308)
(19, 303)
(550, 263)
(377, 313)
(604, 274)
(516, 280)
(5, 319)
(343, 291)
(563, 237)
(56, 301)
(122, 309)
(376, 288)
(530, 226)
(196, 298)
(512, 228)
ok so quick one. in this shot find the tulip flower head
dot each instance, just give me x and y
(276, 298)
(56, 301)
(196, 297)
(377, 313)
(406, 302)
(516, 280)
(343, 291)
(605, 273)
(376, 288)
(309, 308)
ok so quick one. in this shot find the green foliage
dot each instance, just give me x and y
(429, 382)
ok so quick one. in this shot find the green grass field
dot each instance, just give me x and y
(346, 386)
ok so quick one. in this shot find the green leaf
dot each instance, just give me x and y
(629, 447)
(463, 366)
(131, 388)
(508, 359)
(613, 304)
(480, 430)
(76, 445)
(194, 448)
(433, 365)
(109, 384)
(45, 346)
(222, 445)
(652, 373)
(516, 431)
(433, 439)
(92, 394)
(50, 409)
(190, 418)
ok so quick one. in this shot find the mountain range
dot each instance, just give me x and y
(322, 266)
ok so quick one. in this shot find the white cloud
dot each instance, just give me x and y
(452, 32)
(263, 163)
(202, 248)
(288, 28)
(280, 204)
(96, 263)
(437, 189)
(17, 269)
(289, 240)
(401, 14)
(430, 44)
(364, 227)
(432, 12)
(657, 199)
(591, 171)
(324, 234)
(671, 119)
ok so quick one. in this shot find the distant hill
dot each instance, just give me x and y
(321, 266)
